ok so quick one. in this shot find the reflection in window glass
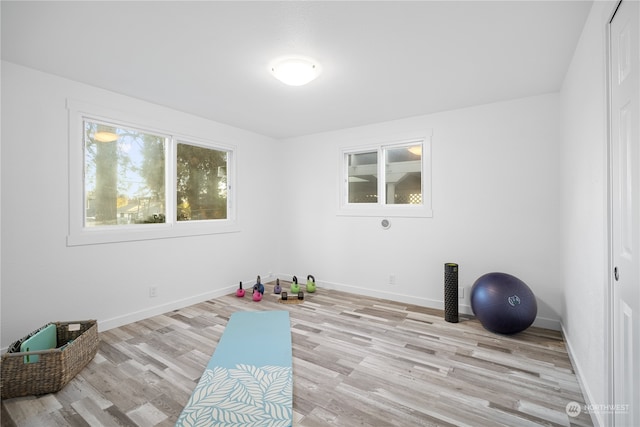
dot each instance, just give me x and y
(124, 176)
(403, 175)
(201, 183)
(363, 177)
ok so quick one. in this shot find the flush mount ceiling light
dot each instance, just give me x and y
(295, 70)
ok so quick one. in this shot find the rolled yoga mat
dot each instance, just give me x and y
(249, 380)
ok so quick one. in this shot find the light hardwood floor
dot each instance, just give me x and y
(356, 361)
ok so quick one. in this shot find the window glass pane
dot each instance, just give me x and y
(403, 175)
(124, 172)
(201, 183)
(363, 177)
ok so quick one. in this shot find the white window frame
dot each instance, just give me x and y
(80, 235)
(381, 208)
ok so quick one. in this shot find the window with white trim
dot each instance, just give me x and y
(201, 183)
(124, 175)
(133, 182)
(387, 179)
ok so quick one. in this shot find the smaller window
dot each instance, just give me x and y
(389, 179)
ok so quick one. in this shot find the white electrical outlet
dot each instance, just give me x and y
(460, 293)
(392, 279)
(153, 292)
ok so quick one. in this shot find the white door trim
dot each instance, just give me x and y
(609, 312)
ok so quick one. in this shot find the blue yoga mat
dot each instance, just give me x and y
(249, 380)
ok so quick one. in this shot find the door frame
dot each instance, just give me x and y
(609, 419)
(609, 416)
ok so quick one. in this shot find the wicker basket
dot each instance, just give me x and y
(77, 344)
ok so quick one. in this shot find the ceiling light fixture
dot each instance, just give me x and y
(295, 70)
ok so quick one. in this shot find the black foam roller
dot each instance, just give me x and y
(451, 292)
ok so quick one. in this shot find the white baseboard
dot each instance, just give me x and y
(546, 323)
(541, 322)
(596, 417)
(114, 322)
(106, 324)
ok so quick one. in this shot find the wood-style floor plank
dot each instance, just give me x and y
(356, 361)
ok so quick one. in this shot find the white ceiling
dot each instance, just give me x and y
(381, 60)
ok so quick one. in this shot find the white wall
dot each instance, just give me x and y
(495, 203)
(44, 280)
(583, 168)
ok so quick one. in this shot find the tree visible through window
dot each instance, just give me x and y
(124, 176)
(135, 177)
(201, 183)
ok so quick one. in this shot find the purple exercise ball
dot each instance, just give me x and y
(503, 303)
